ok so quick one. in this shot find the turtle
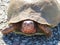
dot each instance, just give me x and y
(32, 17)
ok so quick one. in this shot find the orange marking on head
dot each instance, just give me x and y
(28, 27)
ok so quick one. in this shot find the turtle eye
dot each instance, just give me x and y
(31, 23)
(24, 24)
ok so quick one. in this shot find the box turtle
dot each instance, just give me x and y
(32, 17)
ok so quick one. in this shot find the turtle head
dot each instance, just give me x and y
(28, 27)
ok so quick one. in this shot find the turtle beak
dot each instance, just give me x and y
(28, 27)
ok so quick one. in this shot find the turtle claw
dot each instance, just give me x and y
(8, 30)
(45, 29)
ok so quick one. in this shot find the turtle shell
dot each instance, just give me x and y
(40, 11)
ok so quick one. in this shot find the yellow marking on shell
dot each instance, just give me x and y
(29, 34)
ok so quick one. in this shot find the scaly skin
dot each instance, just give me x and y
(45, 29)
(8, 30)
(11, 28)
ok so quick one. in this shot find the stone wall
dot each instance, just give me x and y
(3, 17)
(3, 13)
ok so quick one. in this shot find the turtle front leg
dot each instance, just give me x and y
(45, 29)
(8, 30)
